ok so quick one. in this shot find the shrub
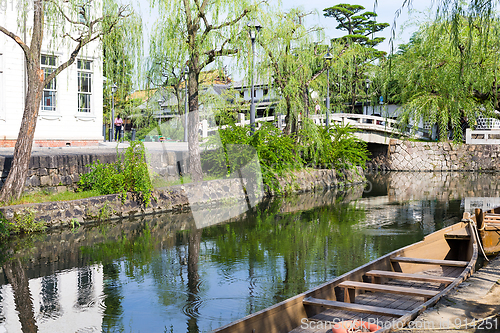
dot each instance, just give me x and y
(336, 147)
(276, 152)
(129, 174)
(25, 223)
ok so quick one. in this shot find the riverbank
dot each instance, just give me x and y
(465, 309)
(231, 196)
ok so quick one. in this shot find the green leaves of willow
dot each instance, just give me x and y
(439, 83)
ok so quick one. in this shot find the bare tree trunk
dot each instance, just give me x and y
(193, 125)
(16, 275)
(14, 184)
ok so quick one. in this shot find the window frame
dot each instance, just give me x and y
(88, 73)
(53, 109)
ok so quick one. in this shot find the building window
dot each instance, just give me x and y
(84, 85)
(48, 65)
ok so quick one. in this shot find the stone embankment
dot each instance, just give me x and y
(231, 192)
(56, 170)
(436, 156)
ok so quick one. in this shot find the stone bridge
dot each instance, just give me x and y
(371, 129)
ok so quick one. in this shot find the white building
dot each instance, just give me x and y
(72, 106)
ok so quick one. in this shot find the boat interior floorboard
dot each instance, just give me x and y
(323, 321)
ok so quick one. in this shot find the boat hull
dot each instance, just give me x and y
(295, 313)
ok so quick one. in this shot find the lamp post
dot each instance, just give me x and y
(114, 88)
(367, 86)
(186, 106)
(254, 28)
(159, 104)
(328, 59)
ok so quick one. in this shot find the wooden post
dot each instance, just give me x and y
(479, 217)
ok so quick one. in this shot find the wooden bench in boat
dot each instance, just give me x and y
(454, 263)
(489, 217)
(354, 307)
(351, 286)
(463, 234)
(413, 277)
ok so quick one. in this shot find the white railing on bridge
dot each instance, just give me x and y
(482, 136)
(365, 123)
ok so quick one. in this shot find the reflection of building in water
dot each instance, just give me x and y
(485, 203)
(63, 302)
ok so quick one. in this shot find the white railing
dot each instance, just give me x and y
(482, 137)
(359, 121)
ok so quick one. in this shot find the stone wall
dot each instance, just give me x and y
(56, 170)
(53, 172)
(194, 195)
(443, 186)
(437, 156)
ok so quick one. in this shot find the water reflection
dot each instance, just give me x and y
(162, 274)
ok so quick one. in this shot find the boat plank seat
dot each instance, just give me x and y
(454, 263)
(491, 217)
(412, 277)
(350, 287)
(463, 233)
(354, 307)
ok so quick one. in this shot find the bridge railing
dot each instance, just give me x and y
(358, 121)
(482, 137)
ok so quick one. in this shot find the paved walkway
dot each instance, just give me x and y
(477, 298)
(103, 146)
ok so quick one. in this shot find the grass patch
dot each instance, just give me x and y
(160, 182)
(47, 197)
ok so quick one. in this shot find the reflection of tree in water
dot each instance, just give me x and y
(18, 279)
(193, 279)
(112, 289)
(49, 302)
(292, 247)
(135, 251)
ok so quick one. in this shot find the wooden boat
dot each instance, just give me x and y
(488, 225)
(388, 292)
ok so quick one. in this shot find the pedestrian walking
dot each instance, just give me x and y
(118, 127)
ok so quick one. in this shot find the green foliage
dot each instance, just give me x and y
(4, 227)
(135, 172)
(278, 154)
(435, 76)
(130, 173)
(25, 223)
(357, 25)
(335, 148)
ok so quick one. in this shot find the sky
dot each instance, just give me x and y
(386, 10)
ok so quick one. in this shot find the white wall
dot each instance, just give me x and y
(66, 123)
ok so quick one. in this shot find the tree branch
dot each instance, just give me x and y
(16, 38)
(212, 54)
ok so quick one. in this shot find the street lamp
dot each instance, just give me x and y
(114, 88)
(254, 27)
(160, 101)
(367, 86)
(328, 60)
(186, 107)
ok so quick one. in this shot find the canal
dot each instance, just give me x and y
(163, 274)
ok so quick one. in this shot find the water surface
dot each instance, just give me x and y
(162, 274)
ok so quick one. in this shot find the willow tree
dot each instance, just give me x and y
(72, 23)
(291, 58)
(122, 62)
(444, 80)
(204, 31)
